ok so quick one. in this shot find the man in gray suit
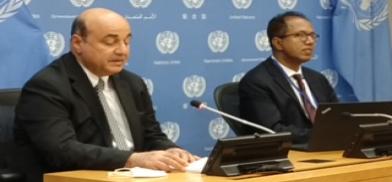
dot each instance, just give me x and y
(280, 93)
(72, 127)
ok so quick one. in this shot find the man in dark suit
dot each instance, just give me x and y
(71, 126)
(271, 95)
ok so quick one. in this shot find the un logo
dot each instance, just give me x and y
(237, 77)
(194, 86)
(218, 128)
(368, 14)
(193, 4)
(218, 41)
(287, 4)
(140, 3)
(332, 77)
(82, 3)
(9, 9)
(326, 4)
(242, 4)
(149, 84)
(171, 129)
(55, 42)
(262, 42)
(167, 42)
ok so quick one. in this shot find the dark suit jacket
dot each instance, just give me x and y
(60, 115)
(266, 98)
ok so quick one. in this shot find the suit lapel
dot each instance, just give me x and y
(280, 78)
(126, 97)
(82, 86)
(313, 84)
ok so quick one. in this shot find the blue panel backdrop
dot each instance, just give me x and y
(185, 48)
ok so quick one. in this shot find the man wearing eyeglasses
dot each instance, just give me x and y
(280, 93)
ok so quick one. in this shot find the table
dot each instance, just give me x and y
(309, 166)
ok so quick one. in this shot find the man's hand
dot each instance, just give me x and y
(169, 160)
(183, 154)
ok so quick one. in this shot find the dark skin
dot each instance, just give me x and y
(290, 50)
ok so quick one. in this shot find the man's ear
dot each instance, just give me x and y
(277, 43)
(76, 41)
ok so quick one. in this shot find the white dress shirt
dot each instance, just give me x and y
(294, 84)
(114, 105)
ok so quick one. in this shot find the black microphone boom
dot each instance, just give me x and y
(200, 105)
(196, 103)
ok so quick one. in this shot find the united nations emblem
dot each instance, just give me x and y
(237, 77)
(218, 128)
(332, 77)
(368, 14)
(9, 9)
(194, 86)
(193, 4)
(171, 129)
(55, 42)
(140, 3)
(218, 41)
(82, 3)
(149, 84)
(326, 4)
(167, 42)
(287, 4)
(262, 42)
(242, 4)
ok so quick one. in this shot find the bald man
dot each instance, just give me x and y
(85, 111)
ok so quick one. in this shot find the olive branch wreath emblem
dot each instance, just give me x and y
(10, 9)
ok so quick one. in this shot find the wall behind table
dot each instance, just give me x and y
(185, 48)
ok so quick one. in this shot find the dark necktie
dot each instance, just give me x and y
(114, 128)
(310, 110)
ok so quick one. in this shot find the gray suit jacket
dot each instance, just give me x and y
(60, 115)
(266, 98)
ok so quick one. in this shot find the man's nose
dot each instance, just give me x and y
(122, 48)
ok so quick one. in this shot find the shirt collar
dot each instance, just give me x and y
(289, 72)
(94, 78)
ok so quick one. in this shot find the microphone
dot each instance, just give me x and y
(389, 117)
(200, 105)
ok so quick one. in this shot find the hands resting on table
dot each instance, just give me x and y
(173, 159)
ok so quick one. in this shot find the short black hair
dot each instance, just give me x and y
(79, 27)
(277, 26)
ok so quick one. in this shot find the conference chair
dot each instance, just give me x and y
(227, 100)
(18, 163)
(8, 100)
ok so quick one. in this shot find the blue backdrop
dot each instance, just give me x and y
(185, 48)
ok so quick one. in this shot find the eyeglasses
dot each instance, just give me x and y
(302, 36)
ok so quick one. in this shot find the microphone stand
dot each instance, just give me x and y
(276, 143)
(372, 115)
